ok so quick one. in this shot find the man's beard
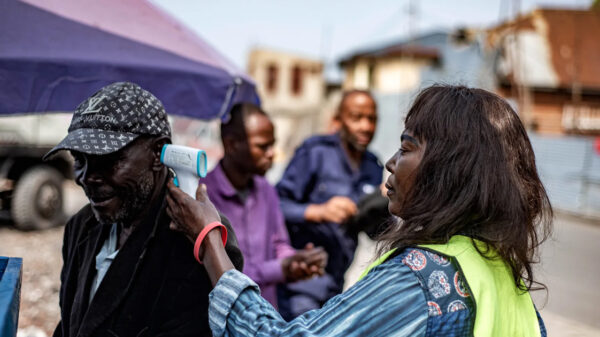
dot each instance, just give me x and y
(356, 146)
(351, 141)
(134, 201)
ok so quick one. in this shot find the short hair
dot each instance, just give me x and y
(235, 127)
(477, 177)
(348, 93)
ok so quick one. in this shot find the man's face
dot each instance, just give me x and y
(261, 138)
(358, 120)
(119, 185)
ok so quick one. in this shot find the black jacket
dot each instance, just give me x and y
(154, 287)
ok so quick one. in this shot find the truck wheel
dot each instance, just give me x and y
(38, 199)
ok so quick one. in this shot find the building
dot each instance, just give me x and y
(292, 90)
(391, 69)
(410, 64)
(287, 81)
(548, 63)
(396, 71)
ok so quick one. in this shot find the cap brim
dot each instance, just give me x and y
(93, 141)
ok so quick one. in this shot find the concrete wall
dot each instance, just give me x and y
(282, 97)
(296, 116)
(385, 75)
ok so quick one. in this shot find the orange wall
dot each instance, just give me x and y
(547, 108)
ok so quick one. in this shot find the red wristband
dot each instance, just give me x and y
(203, 234)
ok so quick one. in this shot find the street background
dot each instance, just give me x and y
(569, 268)
(542, 56)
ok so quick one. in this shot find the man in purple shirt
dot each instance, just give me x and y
(238, 189)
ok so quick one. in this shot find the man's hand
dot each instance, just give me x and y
(305, 263)
(337, 209)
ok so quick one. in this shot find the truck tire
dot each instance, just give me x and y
(38, 199)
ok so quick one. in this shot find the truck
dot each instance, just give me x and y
(31, 190)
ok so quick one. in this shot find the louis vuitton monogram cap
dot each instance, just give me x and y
(112, 118)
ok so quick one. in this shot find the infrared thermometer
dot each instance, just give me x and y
(187, 163)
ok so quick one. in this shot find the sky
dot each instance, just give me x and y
(329, 30)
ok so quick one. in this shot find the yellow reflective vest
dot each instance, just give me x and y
(501, 309)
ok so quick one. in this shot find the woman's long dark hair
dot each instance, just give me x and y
(477, 178)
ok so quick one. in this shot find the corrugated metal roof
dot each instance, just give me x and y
(425, 46)
(571, 47)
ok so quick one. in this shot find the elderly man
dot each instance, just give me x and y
(125, 272)
(238, 188)
(319, 191)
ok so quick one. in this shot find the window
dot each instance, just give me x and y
(272, 78)
(296, 80)
(371, 76)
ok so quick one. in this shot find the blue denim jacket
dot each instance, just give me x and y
(417, 293)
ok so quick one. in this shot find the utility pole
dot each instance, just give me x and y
(519, 77)
(412, 22)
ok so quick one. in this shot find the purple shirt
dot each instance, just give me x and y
(259, 227)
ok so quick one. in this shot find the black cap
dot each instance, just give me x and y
(112, 118)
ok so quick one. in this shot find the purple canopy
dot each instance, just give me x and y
(55, 53)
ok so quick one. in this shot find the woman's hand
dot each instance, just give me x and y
(188, 215)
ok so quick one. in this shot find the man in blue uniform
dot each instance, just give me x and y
(319, 191)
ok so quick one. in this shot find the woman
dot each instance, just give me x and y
(471, 212)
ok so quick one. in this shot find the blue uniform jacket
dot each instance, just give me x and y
(320, 170)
